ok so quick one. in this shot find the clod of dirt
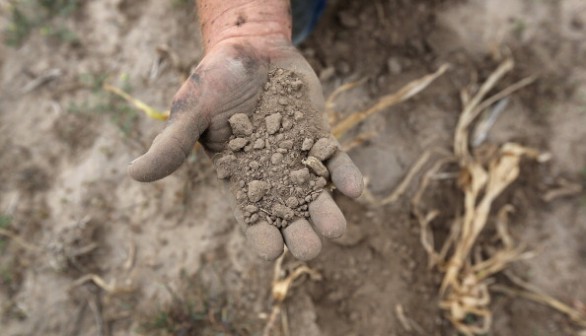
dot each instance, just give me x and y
(240, 124)
(266, 160)
(323, 149)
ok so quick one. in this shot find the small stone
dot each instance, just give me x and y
(250, 208)
(307, 144)
(314, 196)
(276, 158)
(287, 144)
(394, 66)
(300, 176)
(292, 202)
(287, 124)
(308, 199)
(316, 166)
(273, 123)
(298, 115)
(259, 144)
(240, 124)
(256, 190)
(223, 166)
(237, 144)
(306, 214)
(254, 165)
(304, 207)
(282, 211)
(283, 101)
(254, 218)
(267, 86)
(321, 182)
(281, 150)
(278, 222)
(323, 149)
(312, 183)
(279, 137)
(241, 183)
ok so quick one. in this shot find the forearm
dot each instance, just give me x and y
(266, 21)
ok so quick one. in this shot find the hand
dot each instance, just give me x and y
(230, 80)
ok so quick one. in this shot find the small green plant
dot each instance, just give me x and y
(4, 224)
(101, 102)
(27, 16)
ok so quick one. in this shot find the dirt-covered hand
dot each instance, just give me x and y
(230, 80)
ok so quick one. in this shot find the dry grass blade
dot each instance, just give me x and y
(149, 111)
(387, 101)
(281, 286)
(533, 293)
(18, 240)
(331, 101)
(470, 111)
(98, 281)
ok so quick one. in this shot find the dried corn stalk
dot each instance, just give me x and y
(464, 292)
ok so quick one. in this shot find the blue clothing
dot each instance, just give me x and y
(305, 16)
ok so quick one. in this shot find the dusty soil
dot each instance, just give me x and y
(275, 162)
(170, 254)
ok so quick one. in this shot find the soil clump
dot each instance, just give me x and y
(274, 159)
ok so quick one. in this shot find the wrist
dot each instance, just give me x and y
(263, 23)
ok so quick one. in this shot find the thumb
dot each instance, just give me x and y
(172, 146)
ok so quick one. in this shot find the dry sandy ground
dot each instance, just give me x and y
(172, 257)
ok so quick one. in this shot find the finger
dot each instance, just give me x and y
(301, 240)
(173, 145)
(345, 175)
(265, 240)
(327, 216)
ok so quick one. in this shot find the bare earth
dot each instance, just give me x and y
(172, 259)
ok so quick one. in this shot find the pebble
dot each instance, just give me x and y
(276, 158)
(307, 144)
(323, 149)
(259, 144)
(223, 166)
(256, 190)
(237, 144)
(283, 101)
(300, 176)
(254, 218)
(281, 150)
(254, 165)
(273, 123)
(298, 115)
(316, 166)
(287, 144)
(251, 208)
(240, 124)
(292, 202)
(287, 124)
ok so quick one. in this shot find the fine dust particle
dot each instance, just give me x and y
(323, 149)
(266, 161)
